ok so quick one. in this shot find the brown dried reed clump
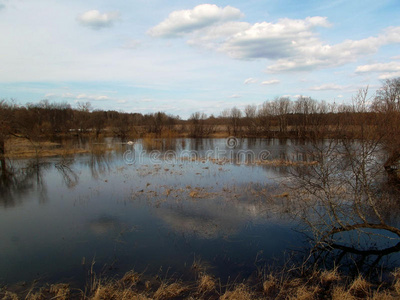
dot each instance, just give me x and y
(396, 283)
(240, 292)
(61, 291)
(124, 289)
(329, 276)
(206, 284)
(10, 296)
(270, 285)
(131, 278)
(110, 292)
(360, 287)
(169, 291)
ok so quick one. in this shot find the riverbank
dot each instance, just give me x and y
(288, 284)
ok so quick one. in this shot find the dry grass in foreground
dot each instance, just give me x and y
(318, 285)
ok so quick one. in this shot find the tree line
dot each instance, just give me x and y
(281, 118)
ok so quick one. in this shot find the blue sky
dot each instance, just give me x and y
(185, 56)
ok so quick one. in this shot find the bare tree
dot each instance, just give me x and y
(122, 126)
(6, 115)
(265, 114)
(224, 117)
(387, 105)
(283, 108)
(197, 124)
(250, 120)
(81, 116)
(388, 96)
(235, 120)
(343, 195)
(97, 121)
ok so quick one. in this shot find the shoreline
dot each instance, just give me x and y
(295, 283)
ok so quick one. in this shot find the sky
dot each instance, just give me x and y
(184, 56)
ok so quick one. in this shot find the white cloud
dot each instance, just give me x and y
(269, 82)
(234, 96)
(290, 44)
(273, 40)
(389, 75)
(314, 54)
(92, 97)
(84, 97)
(393, 66)
(250, 80)
(185, 21)
(387, 70)
(294, 97)
(327, 87)
(96, 20)
(213, 36)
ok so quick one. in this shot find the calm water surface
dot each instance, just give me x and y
(147, 211)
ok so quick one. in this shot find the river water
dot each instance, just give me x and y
(156, 206)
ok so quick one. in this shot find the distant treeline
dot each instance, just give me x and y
(281, 117)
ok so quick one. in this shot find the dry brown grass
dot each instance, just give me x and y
(168, 291)
(305, 293)
(270, 285)
(22, 148)
(340, 293)
(360, 287)
(396, 283)
(60, 290)
(200, 193)
(329, 276)
(328, 284)
(206, 284)
(283, 195)
(112, 291)
(10, 296)
(385, 295)
(37, 296)
(240, 292)
(131, 278)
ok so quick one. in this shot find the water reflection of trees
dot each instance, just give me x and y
(69, 176)
(19, 180)
(99, 161)
(350, 208)
(26, 176)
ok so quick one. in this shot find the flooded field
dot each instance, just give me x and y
(155, 206)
